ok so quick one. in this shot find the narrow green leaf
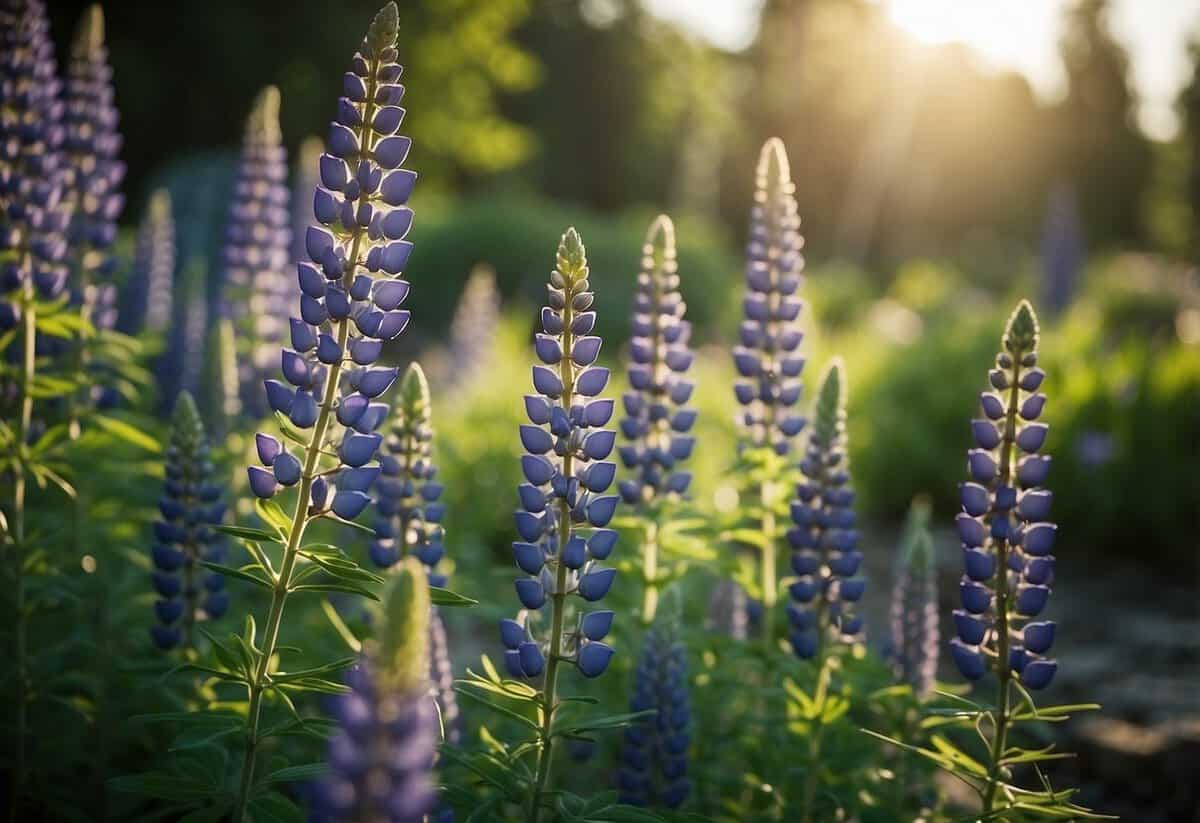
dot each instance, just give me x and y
(130, 434)
(444, 597)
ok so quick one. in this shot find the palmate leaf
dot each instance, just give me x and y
(483, 700)
(271, 514)
(275, 808)
(345, 588)
(294, 774)
(240, 574)
(340, 567)
(575, 728)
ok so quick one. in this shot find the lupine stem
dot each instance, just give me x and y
(811, 780)
(770, 582)
(650, 571)
(558, 599)
(1003, 670)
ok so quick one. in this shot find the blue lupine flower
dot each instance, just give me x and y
(146, 301)
(441, 677)
(183, 365)
(93, 170)
(653, 770)
(1062, 248)
(1004, 525)
(350, 292)
(823, 540)
(914, 616)
(657, 420)
(768, 358)
(564, 511)
(190, 506)
(472, 330)
(35, 210)
(257, 257)
(383, 754)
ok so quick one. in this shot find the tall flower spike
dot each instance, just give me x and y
(35, 210)
(93, 169)
(768, 359)
(653, 769)
(823, 540)
(657, 420)
(914, 615)
(147, 299)
(1004, 525)
(383, 753)
(473, 329)
(410, 515)
(306, 179)
(183, 363)
(729, 610)
(257, 255)
(191, 504)
(441, 677)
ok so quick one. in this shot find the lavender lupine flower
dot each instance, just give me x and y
(383, 754)
(305, 180)
(768, 358)
(351, 292)
(914, 616)
(1004, 525)
(257, 255)
(823, 540)
(147, 299)
(729, 610)
(191, 504)
(94, 172)
(657, 421)
(441, 677)
(473, 329)
(35, 211)
(653, 769)
(410, 515)
(1062, 247)
(185, 360)
(564, 510)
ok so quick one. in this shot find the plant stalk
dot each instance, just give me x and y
(650, 572)
(770, 574)
(812, 778)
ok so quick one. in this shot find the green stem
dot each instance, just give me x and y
(770, 575)
(650, 572)
(1003, 671)
(812, 778)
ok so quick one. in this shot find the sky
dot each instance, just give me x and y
(1020, 35)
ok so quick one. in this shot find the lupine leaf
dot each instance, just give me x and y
(273, 515)
(130, 434)
(347, 588)
(238, 573)
(292, 774)
(444, 597)
(164, 786)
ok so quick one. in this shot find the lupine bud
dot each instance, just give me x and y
(356, 252)
(914, 618)
(93, 170)
(653, 769)
(256, 253)
(1004, 524)
(824, 541)
(146, 301)
(768, 359)
(564, 511)
(35, 211)
(190, 506)
(657, 423)
(383, 753)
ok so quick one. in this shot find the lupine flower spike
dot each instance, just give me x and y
(383, 753)
(653, 769)
(657, 420)
(914, 615)
(306, 179)
(147, 301)
(825, 558)
(473, 330)
(564, 510)
(190, 506)
(257, 254)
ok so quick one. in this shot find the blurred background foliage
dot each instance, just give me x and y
(934, 192)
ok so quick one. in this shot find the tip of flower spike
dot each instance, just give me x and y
(264, 114)
(921, 551)
(384, 29)
(403, 657)
(89, 36)
(662, 227)
(310, 152)
(1021, 333)
(160, 205)
(831, 400)
(414, 388)
(773, 166)
(572, 256)
(186, 415)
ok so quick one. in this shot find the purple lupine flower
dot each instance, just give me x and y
(729, 610)
(351, 291)
(1062, 247)
(35, 210)
(441, 678)
(564, 510)
(383, 754)
(1006, 534)
(146, 301)
(653, 764)
(189, 345)
(768, 359)
(473, 330)
(824, 541)
(657, 419)
(914, 616)
(257, 257)
(190, 506)
(94, 171)
(305, 180)
(409, 512)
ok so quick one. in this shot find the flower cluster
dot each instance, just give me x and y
(34, 209)
(1004, 527)
(410, 515)
(656, 422)
(566, 476)
(255, 292)
(654, 755)
(441, 677)
(190, 506)
(768, 358)
(346, 314)
(823, 540)
(383, 753)
(147, 300)
(914, 615)
(93, 171)
(473, 329)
